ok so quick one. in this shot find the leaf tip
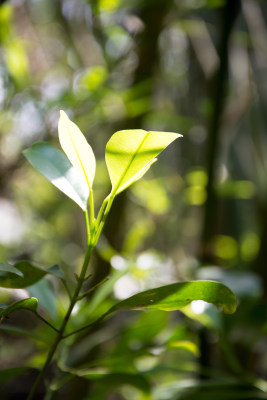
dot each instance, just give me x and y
(62, 114)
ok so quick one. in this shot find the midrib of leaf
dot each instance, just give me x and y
(130, 162)
(76, 151)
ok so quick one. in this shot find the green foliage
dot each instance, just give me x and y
(27, 274)
(77, 149)
(129, 155)
(26, 304)
(58, 170)
(178, 295)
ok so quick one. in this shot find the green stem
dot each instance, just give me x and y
(100, 213)
(60, 332)
(102, 223)
(86, 326)
(92, 212)
(92, 288)
(86, 217)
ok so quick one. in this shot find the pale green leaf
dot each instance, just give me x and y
(55, 166)
(77, 149)
(130, 153)
(178, 295)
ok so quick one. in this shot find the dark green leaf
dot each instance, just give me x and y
(5, 267)
(14, 330)
(27, 274)
(6, 374)
(29, 304)
(114, 379)
(30, 275)
(55, 166)
(56, 271)
(178, 295)
(46, 296)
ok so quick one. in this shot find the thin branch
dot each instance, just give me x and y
(92, 288)
(83, 328)
(46, 322)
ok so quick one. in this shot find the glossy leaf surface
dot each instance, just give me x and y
(29, 304)
(77, 149)
(178, 295)
(130, 153)
(58, 170)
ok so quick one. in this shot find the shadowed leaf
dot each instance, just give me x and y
(58, 170)
(27, 275)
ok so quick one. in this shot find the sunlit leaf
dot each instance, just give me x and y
(58, 170)
(27, 275)
(130, 153)
(29, 304)
(77, 149)
(178, 295)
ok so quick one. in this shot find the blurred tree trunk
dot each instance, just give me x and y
(218, 87)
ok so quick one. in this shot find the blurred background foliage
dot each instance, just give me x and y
(197, 67)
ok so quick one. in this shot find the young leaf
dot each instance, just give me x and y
(178, 295)
(59, 171)
(29, 304)
(130, 153)
(77, 149)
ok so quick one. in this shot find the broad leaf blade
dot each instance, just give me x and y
(29, 304)
(129, 154)
(77, 149)
(178, 295)
(27, 274)
(30, 275)
(137, 176)
(58, 170)
(7, 268)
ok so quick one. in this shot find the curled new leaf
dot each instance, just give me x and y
(77, 149)
(178, 295)
(130, 153)
(58, 170)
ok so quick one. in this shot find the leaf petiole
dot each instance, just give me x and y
(92, 288)
(46, 322)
